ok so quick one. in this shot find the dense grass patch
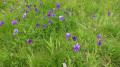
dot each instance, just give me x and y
(49, 46)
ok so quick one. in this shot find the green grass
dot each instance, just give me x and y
(49, 47)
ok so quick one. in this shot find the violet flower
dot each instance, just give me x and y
(67, 35)
(27, 11)
(54, 10)
(98, 37)
(37, 25)
(40, 3)
(74, 38)
(94, 16)
(36, 9)
(108, 13)
(50, 11)
(61, 18)
(11, 9)
(24, 15)
(34, 5)
(49, 21)
(76, 47)
(15, 31)
(99, 43)
(1, 23)
(5, 2)
(44, 26)
(66, 13)
(29, 41)
(53, 15)
(48, 15)
(14, 22)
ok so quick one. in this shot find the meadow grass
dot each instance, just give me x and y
(49, 47)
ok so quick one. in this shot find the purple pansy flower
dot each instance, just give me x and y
(28, 6)
(1, 23)
(37, 25)
(76, 47)
(44, 26)
(67, 35)
(24, 15)
(61, 18)
(74, 38)
(36, 9)
(66, 13)
(11, 9)
(50, 11)
(44, 18)
(48, 15)
(14, 22)
(108, 13)
(27, 11)
(53, 15)
(98, 37)
(29, 41)
(5, 2)
(99, 43)
(40, 3)
(49, 21)
(34, 5)
(54, 10)
(58, 5)
(68, 10)
(15, 31)
(94, 16)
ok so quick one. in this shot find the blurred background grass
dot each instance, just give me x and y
(49, 47)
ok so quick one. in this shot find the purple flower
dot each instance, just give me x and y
(1, 23)
(27, 11)
(94, 16)
(24, 15)
(50, 11)
(76, 47)
(28, 6)
(99, 43)
(72, 13)
(58, 5)
(44, 18)
(5, 2)
(74, 38)
(54, 10)
(108, 13)
(23, 9)
(66, 13)
(48, 15)
(68, 10)
(36, 9)
(15, 31)
(11, 9)
(40, 3)
(61, 18)
(14, 22)
(98, 37)
(67, 35)
(49, 21)
(34, 5)
(44, 26)
(37, 25)
(29, 41)
(53, 15)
